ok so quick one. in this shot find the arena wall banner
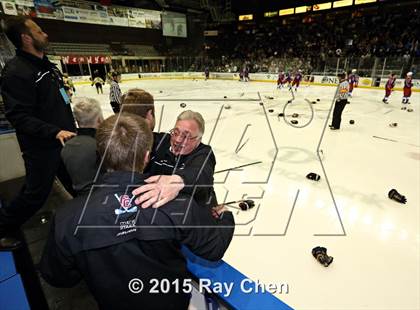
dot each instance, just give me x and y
(118, 16)
(97, 59)
(83, 12)
(48, 9)
(103, 17)
(263, 76)
(78, 15)
(153, 19)
(223, 75)
(70, 14)
(90, 17)
(25, 8)
(136, 18)
(326, 79)
(9, 8)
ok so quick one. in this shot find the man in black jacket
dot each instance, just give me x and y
(39, 109)
(180, 161)
(188, 170)
(105, 238)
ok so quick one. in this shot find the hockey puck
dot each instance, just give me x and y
(270, 110)
(160, 91)
(246, 205)
(351, 122)
(227, 106)
(183, 105)
(261, 103)
(313, 102)
(410, 110)
(404, 108)
(313, 176)
(225, 97)
(280, 115)
(318, 100)
(393, 125)
(294, 122)
(295, 115)
(289, 101)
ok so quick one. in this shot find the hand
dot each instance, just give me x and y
(218, 210)
(64, 135)
(159, 190)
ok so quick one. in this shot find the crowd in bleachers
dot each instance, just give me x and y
(309, 41)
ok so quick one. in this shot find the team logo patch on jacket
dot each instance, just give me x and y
(125, 204)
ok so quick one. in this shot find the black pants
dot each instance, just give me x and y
(99, 87)
(41, 166)
(338, 110)
(115, 107)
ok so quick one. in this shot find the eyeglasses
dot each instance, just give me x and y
(184, 135)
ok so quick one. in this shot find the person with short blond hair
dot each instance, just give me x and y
(139, 102)
(109, 240)
(125, 143)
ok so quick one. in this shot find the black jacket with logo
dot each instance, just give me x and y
(106, 239)
(34, 105)
(196, 168)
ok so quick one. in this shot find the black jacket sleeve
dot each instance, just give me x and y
(204, 235)
(56, 268)
(198, 171)
(19, 98)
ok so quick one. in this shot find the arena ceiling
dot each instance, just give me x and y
(238, 6)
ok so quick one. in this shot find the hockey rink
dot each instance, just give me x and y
(374, 240)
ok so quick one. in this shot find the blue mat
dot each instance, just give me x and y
(241, 298)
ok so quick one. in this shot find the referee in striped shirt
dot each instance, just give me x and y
(115, 92)
(341, 101)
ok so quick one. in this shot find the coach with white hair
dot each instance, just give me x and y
(79, 154)
(180, 162)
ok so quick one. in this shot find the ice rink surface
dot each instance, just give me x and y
(374, 240)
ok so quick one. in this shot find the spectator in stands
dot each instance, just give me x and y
(357, 34)
(141, 247)
(79, 153)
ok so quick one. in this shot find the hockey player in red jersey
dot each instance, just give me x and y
(353, 81)
(388, 87)
(280, 79)
(408, 83)
(296, 80)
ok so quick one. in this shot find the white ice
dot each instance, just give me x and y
(374, 240)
